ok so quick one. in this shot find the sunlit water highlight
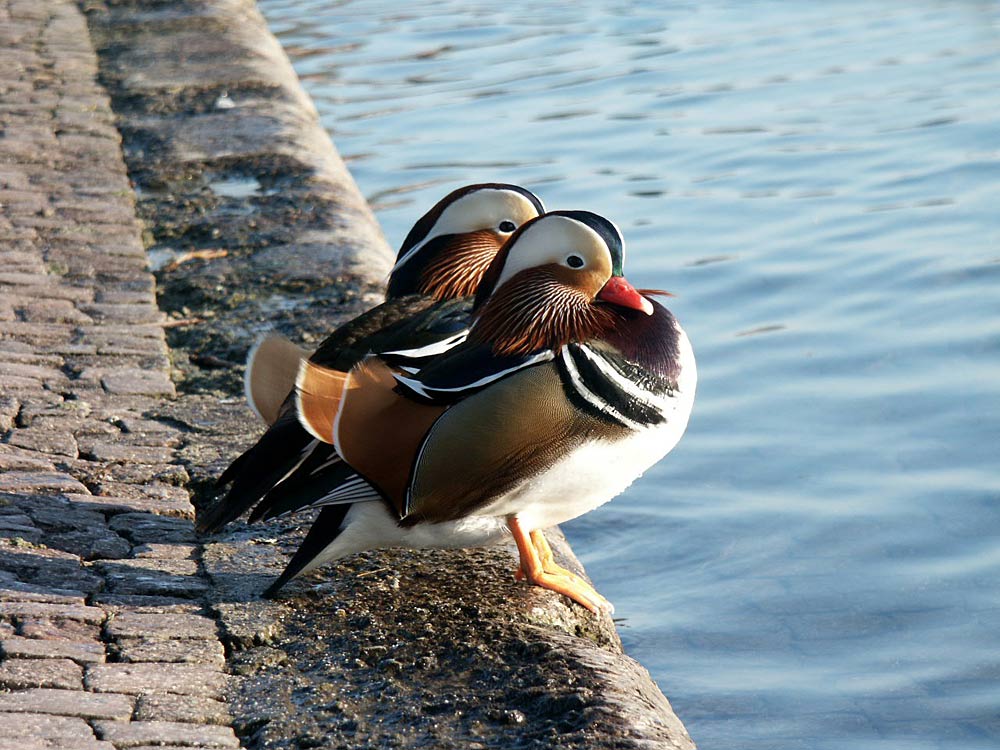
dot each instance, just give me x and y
(816, 565)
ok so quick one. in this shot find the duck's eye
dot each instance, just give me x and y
(574, 261)
(507, 226)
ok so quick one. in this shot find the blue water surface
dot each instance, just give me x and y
(817, 565)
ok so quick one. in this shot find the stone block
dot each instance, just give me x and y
(37, 334)
(107, 451)
(137, 382)
(21, 610)
(58, 630)
(190, 709)
(19, 459)
(154, 491)
(94, 543)
(153, 577)
(138, 678)
(17, 591)
(43, 566)
(135, 734)
(143, 312)
(144, 528)
(176, 505)
(55, 731)
(48, 374)
(141, 474)
(188, 651)
(39, 481)
(40, 310)
(22, 279)
(166, 551)
(19, 674)
(19, 527)
(161, 626)
(147, 605)
(59, 514)
(44, 441)
(82, 652)
(68, 703)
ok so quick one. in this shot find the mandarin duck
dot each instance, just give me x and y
(569, 384)
(437, 270)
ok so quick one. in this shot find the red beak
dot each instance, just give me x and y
(619, 292)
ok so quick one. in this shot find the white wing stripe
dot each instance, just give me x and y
(590, 397)
(438, 347)
(425, 390)
(640, 394)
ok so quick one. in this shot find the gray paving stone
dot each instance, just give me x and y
(123, 312)
(144, 528)
(190, 709)
(18, 674)
(209, 653)
(49, 374)
(39, 481)
(161, 627)
(111, 451)
(137, 474)
(94, 543)
(149, 492)
(138, 733)
(69, 703)
(140, 604)
(19, 527)
(35, 744)
(44, 441)
(58, 514)
(82, 652)
(58, 630)
(166, 551)
(177, 578)
(39, 334)
(140, 382)
(177, 505)
(40, 727)
(136, 424)
(9, 609)
(135, 679)
(15, 591)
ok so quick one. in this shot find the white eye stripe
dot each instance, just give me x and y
(475, 211)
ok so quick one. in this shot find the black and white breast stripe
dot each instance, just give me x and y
(612, 388)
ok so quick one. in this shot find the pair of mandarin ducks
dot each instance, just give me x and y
(512, 380)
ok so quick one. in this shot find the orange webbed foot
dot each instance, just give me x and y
(538, 566)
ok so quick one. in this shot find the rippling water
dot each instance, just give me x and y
(816, 565)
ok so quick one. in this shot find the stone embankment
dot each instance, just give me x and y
(185, 139)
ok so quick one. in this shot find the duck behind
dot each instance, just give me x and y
(438, 267)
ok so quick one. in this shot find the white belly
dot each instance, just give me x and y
(598, 471)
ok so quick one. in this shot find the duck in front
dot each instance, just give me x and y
(569, 385)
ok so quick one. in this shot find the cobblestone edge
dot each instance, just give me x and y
(105, 637)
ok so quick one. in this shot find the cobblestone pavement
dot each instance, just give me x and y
(104, 639)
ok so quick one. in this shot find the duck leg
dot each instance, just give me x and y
(539, 568)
